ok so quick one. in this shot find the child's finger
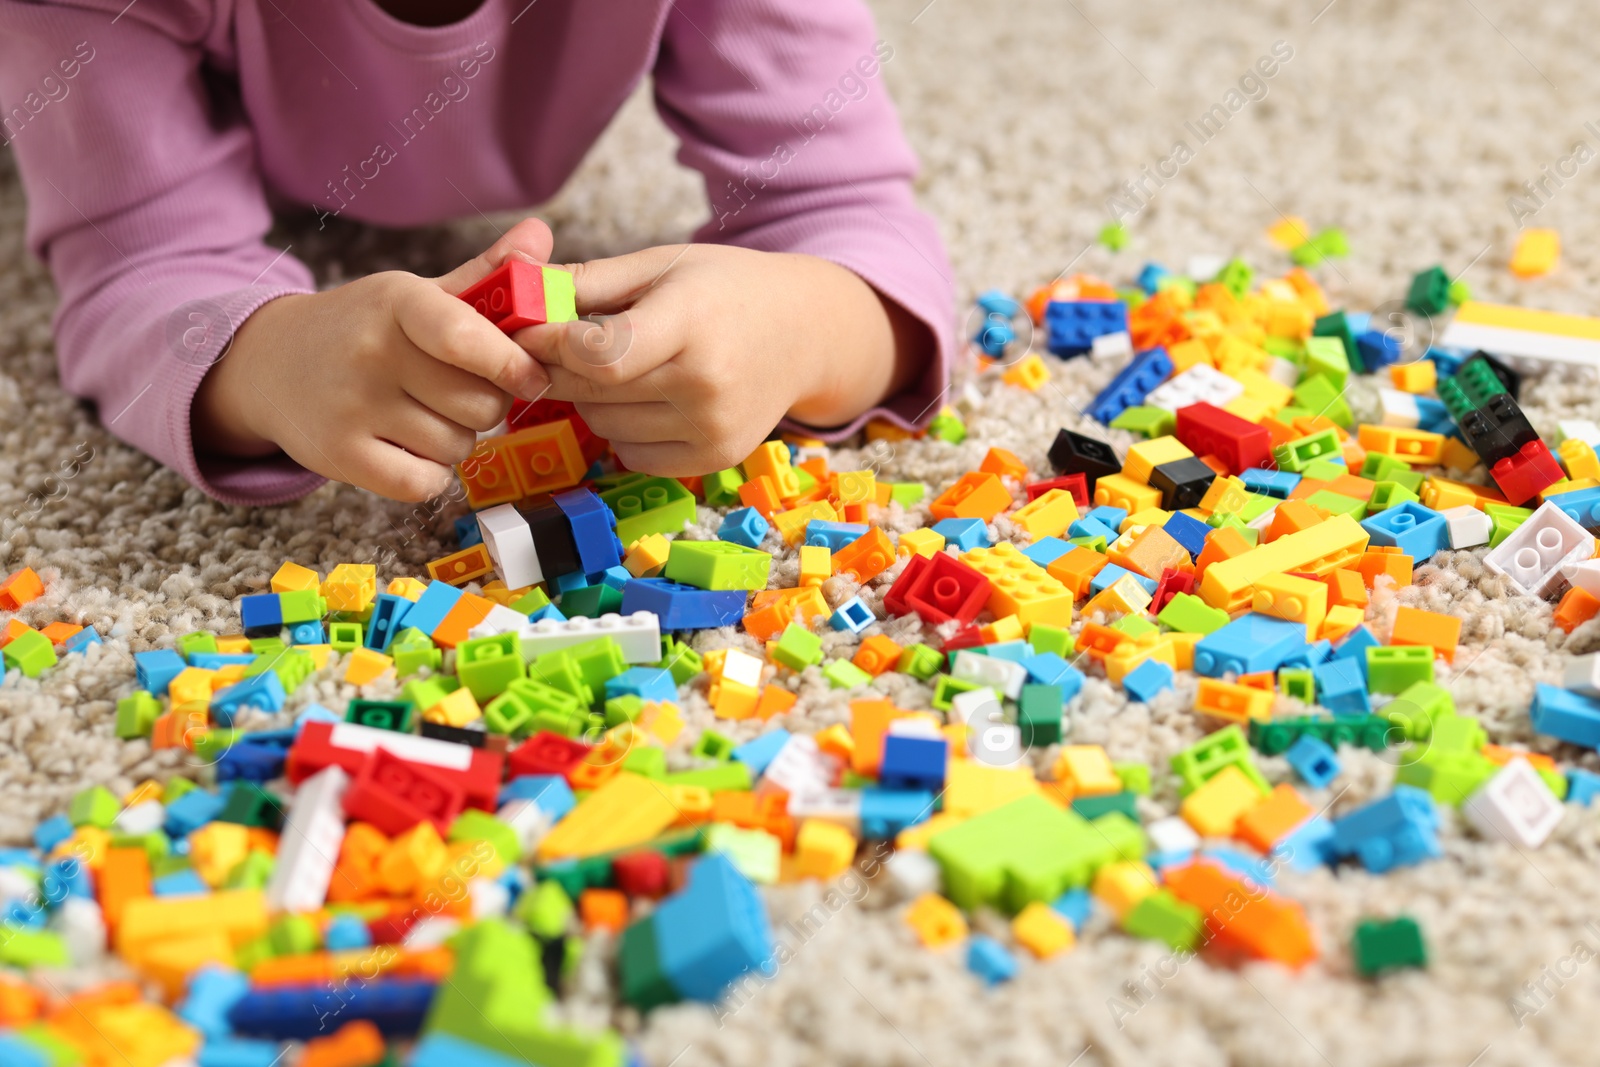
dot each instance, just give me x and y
(564, 385)
(391, 471)
(605, 286)
(451, 331)
(644, 423)
(529, 238)
(458, 395)
(425, 433)
(611, 349)
(671, 459)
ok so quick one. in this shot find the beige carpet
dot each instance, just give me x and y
(1407, 124)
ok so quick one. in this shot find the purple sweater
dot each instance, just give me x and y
(151, 137)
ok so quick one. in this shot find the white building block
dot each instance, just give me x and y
(1172, 834)
(1584, 575)
(142, 818)
(638, 634)
(1516, 804)
(510, 544)
(1469, 527)
(913, 873)
(1399, 409)
(842, 806)
(800, 767)
(490, 899)
(1004, 675)
(500, 620)
(1200, 382)
(974, 707)
(1204, 268)
(998, 744)
(1582, 675)
(915, 726)
(1533, 557)
(82, 927)
(308, 848)
(1581, 429)
(15, 885)
(435, 753)
(738, 666)
(431, 931)
(1283, 371)
(528, 821)
(1117, 345)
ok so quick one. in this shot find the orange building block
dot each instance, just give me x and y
(866, 557)
(1346, 587)
(459, 568)
(603, 909)
(19, 588)
(124, 876)
(775, 700)
(1077, 569)
(761, 493)
(1270, 821)
(1005, 464)
(19, 1003)
(14, 628)
(1376, 562)
(877, 654)
(1221, 544)
(1413, 626)
(1291, 516)
(1241, 919)
(869, 722)
(1577, 606)
(976, 495)
(1148, 552)
(355, 1044)
(469, 611)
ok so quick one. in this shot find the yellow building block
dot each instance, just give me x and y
(1341, 619)
(1087, 770)
(1215, 807)
(1121, 661)
(458, 708)
(319, 657)
(1147, 550)
(647, 556)
(1286, 596)
(938, 922)
(350, 587)
(1146, 456)
(1231, 701)
(291, 577)
(1289, 232)
(1248, 408)
(1147, 517)
(1028, 373)
(854, 487)
(132, 1034)
(364, 666)
(1121, 491)
(1121, 885)
(240, 915)
(816, 564)
(1124, 596)
(149, 789)
(192, 683)
(1441, 493)
(1234, 356)
(233, 644)
(972, 787)
(823, 849)
(1418, 377)
(1021, 586)
(924, 542)
(1230, 583)
(916, 837)
(1578, 456)
(1226, 495)
(1048, 515)
(1042, 930)
(791, 524)
(1190, 353)
(216, 849)
(627, 810)
(415, 858)
(836, 741)
(1006, 628)
(1537, 252)
(410, 588)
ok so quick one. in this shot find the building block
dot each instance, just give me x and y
(1071, 326)
(1516, 806)
(1314, 760)
(1532, 558)
(1398, 830)
(1382, 945)
(1131, 385)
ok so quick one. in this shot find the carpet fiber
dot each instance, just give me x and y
(1407, 125)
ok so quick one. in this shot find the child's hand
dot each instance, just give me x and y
(709, 346)
(381, 383)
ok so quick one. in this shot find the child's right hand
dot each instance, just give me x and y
(382, 383)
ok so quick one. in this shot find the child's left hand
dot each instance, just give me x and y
(705, 348)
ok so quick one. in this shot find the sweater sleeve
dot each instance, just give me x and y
(783, 109)
(145, 203)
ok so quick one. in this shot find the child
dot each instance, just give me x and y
(151, 137)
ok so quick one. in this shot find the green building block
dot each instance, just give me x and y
(645, 984)
(721, 488)
(382, 714)
(1114, 236)
(1028, 850)
(345, 637)
(907, 494)
(27, 948)
(1146, 421)
(424, 693)
(1227, 747)
(1460, 292)
(947, 427)
(250, 804)
(1135, 625)
(409, 659)
(804, 480)
(1043, 638)
(755, 853)
(157, 846)
(294, 935)
(136, 715)
(529, 705)
(487, 665)
(1417, 707)
(1039, 715)
(1236, 276)
(496, 997)
(1430, 291)
(1450, 777)
(1188, 614)
(1092, 808)
(302, 605)
(1299, 683)
(1384, 945)
(1387, 495)
(1163, 917)
(265, 646)
(1391, 668)
(946, 688)
(1338, 504)
(56, 1050)
(623, 708)
(1295, 455)
(1326, 358)
(1135, 777)
(591, 601)
(1093, 544)
(1319, 395)
(684, 662)
(1323, 470)
(1457, 733)
(1336, 326)
(645, 505)
(798, 648)
(31, 653)
(546, 910)
(647, 761)
(530, 603)
(196, 642)
(920, 661)
(176, 789)
(96, 806)
(252, 872)
(842, 674)
(730, 776)
(713, 746)
(475, 825)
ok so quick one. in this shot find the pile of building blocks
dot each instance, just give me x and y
(422, 868)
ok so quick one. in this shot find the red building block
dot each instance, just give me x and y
(1076, 484)
(512, 297)
(546, 753)
(394, 795)
(1209, 431)
(1523, 476)
(641, 874)
(939, 589)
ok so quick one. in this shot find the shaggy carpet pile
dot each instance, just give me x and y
(1412, 126)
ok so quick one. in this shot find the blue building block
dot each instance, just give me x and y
(213, 661)
(566, 583)
(1107, 576)
(683, 607)
(1271, 483)
(965, 534)
(389, 616)
(429, 609)
(1582, 786)
(712, 931)
(50, 833)
(1176, 857)
(1447, 360)
(648, 683)
(744, 526)
(1011, 651)
(1417, 531)
(439, 1049)
(81, 640)
(240, 1052)
(616, 577)
(396, 1006)
(994, 302)
(467, 531)
(250, 761)
(594, 528)
(853, 615)
(757, 754)
(1240, 862)
(260, 613)
(1314, 760)
(885, 812)
(15, 1052)
(1075, 906)
(67, 878)
(264, 691)
(156, 670)
(1109, 517)
(1248, 644)
(212, 991)
(989, 960)
(26, 914)
(1341, 687)
(1147, 679)
(1398, 830)
(186, 883)
(1308, 657)
(1582, 507)
(1151, 275)
(1565, 715)
(311, 713)
(549, 791)
(1072, 325)
(549, 611)
(191, 811)
(1047, 550)
(1355, 646)
(1087, 527)
(1188, 531)
(911, 762)
(307, 633)
(1132, 384)
(1307, 847)
(1377, 349)
(1047, 668)
(1432, 413)
(346, 932)
(834, 535)
(994, 335)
